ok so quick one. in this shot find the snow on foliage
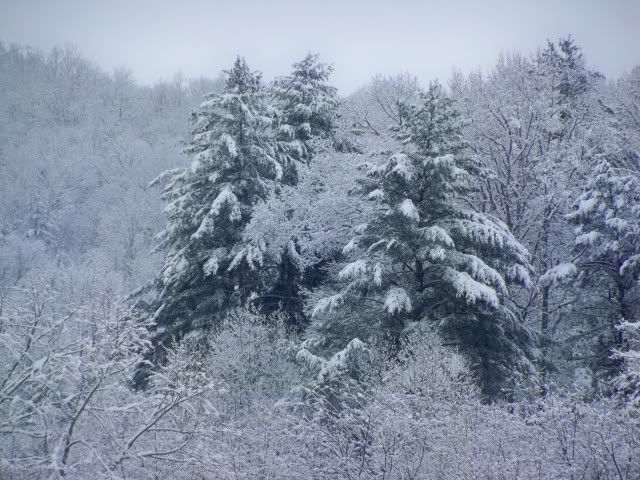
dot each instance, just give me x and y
(631, 264)
(210, 267)
(328, 304)
(588, 238)
(353, 270)
(482, 272)
(397, 301)
(318, 212)
(436, 234)
(349, 247)
(230, 145)
(224, 395)
(469, 289)
(519, 275)
(401, 165)
(294, 256)
(559, 273)
(488, 231)
(377, 274)
(227, 197)
(252, 255)
(340, 360)
(409, 210)
(586, 206)
(377, 194)
(205, 228)
(338, 365)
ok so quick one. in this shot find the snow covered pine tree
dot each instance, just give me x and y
(208, 267)
(430, 256)
(607, 216)
(306, 105)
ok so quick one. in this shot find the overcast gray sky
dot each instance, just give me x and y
(156, 38)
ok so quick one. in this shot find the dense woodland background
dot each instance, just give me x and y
(233, 278)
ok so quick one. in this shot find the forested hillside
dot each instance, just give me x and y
(242, 278)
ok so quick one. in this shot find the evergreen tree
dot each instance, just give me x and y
(566, 67)
(526, 123)
(285, 294)
(627, 383)
(565, 103)
(307, 106)
(41, 221)
(208, 267)
(565, 106)
(607, 244)
(428, 255)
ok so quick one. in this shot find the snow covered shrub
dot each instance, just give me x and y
(252, 432)
(67, 356)
(378, 418)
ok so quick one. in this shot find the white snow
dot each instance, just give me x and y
(559, 273)
(294, 256)
(469, 289)
(328, 304)
(349, 247)
(631, 263)
(519, 273)
(226, 196)
(251, 254)
(353, 270)
(482, 272)
(361, 227)
(436, 254)
(210, 267)
(376, 194)
(588, 238)
(438, 235)
(340, 360)
(397, 301)
(377, 274)
(402, 166)
(620, 225)
(586, 206)
(206, 226)
(409, 210)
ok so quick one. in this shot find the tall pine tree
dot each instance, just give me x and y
(306, 105)
(430, 256)
(607, 246)
(208, 267)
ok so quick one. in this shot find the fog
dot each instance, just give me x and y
(361, 38)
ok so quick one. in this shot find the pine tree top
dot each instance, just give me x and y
(240, 79)
(311, 69)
